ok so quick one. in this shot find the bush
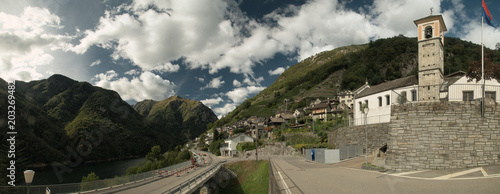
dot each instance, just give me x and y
(244, 146)
(91, 182)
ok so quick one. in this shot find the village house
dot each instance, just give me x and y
(229, 147)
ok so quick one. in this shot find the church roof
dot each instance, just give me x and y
(409, 81)
(390, 85)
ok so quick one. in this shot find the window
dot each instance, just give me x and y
(490, 95)
(360, 106)
(414, 95)
(366, 101)
(468, 95)
(388, 99)
(379, 101)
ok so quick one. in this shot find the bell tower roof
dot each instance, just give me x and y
(432, 26)
(430, 19)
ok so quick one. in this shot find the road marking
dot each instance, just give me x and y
(458, 173)
(408, 173)
(284, 183)
(484, 172)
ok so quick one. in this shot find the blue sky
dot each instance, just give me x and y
(220, 52)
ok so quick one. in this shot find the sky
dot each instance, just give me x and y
(219, 52)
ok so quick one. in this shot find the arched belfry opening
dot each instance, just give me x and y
(428, 32)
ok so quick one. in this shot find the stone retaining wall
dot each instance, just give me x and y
(377, 136)
(443, 135)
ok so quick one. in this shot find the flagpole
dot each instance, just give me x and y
(482, 66)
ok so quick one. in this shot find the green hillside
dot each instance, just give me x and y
(187, 118)
(61, 120)
(347, 68)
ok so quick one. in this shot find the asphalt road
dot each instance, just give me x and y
(346, 177)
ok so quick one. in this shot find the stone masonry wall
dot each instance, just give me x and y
(377, 136)
(443, 135)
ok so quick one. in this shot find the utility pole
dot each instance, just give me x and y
(257, 146)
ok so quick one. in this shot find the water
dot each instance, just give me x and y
(47, 176)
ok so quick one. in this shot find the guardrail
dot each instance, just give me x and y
(192, 182)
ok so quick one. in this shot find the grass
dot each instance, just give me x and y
(253, 177)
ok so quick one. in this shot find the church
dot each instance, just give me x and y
(372, 104)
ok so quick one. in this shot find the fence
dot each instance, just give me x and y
(94, 185)
(453, 92)
(273, 183)
(350, 151)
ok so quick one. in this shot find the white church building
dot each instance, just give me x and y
(431, 85)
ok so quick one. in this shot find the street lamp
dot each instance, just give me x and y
(28, 177)
(365, 111)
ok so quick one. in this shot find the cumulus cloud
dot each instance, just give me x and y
(195, 30)
(25, 43)
(133, 72)
(97, 62)
(277, 71)
(212, 101)
(227, 108)
(238, 95)
(215, 83)
(146, 86)
(236, 83)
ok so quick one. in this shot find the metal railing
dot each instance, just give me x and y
(373, 119)
(94, 185)
(192, 182)
(455, 92)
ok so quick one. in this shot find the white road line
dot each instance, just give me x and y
(484, 172)
(408, 173)
(458, 173)
(284, 184)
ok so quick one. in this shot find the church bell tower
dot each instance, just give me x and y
(430, 57)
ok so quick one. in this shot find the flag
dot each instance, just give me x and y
(487, 15)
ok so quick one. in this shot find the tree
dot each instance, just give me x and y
(491, 69)
(89, 184)
(155, 154)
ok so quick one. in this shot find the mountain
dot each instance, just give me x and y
(347, 68)
(181, 116)
(58, 118)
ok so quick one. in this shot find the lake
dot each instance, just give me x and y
(47, 175)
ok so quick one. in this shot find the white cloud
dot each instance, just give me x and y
(236, 83)
(97, 62)
(167, 67)
(215, 83)
(252, 81)
(201, 79)
(133, 72)
(25, 44)
(238, 95)
(225, 109)
(212, 101)
(195, 30)
(277, 71)
(146, 86)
